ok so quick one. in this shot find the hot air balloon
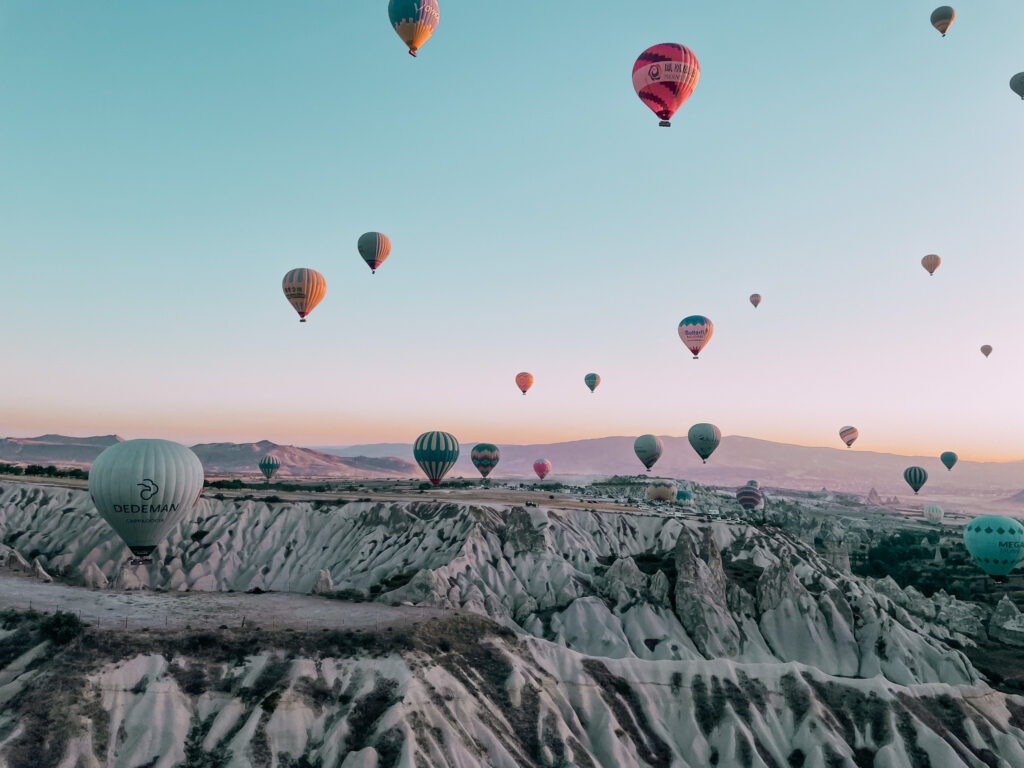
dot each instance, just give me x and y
(664, 76)
(542, 467)
(754, 483)
(933, 513)
(995, 543)
(684, 495)
(524, 381)
(848, 435)
(986, 349)
(1017, 84)
(704, 438)
(755, 299)
(931, 262)
(942, 18)
(648, 449)
(662, 490)
(592, 380)
(304, 289)
(436, 453)
(749, 497)
(915, 477)
(695, 331)
(144, 488)
(485, 457)
(374, 247)
(949, 459)
(414, 21)
(269, 465)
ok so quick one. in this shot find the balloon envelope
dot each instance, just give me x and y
(374, 247)
(986, 349)
(704, 438)
(933, 513)
(942, 18)
(144, 488)
(931, 262)
(749, 497)
(542, 467)
(755, 299)
(436, 452)
(995, 543)
(485, 457)
(304, 289)
(848, 435)
(948, 459)
(648, 449)
(684, 495)
(1017, 84)
(592, 380)
(662, 490)
(664, 76)
(524, 381)
(695, 332)
(269, 465)
(414, 21)
(915, 477)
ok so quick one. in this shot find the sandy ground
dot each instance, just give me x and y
(204, 609)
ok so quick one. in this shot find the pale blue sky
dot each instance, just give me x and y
(162, 165)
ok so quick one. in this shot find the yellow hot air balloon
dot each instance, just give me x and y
(304, 289)
(931, 263)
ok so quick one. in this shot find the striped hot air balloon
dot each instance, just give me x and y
(542, 467)
(704, 438)
(848, 435)
(995, 543)
(269, 465)
(749, 497)
(374, 247)
(933, 513)
(485, 457)
(662, 490)
(915, 477)
(648, 449)
(524, 381)
(695, 332)
(755, 299)
(664, 76)
(592, 380)
(942, 18)
(304, 289)
(436, 452)
(414, 21)
(948, 459)
(931, 262)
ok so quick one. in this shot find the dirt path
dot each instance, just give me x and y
(204, 609)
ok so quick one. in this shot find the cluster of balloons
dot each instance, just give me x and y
(704, 439)
(942, 19)
(524, 380)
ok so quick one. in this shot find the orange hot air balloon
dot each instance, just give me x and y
(931, 263)
(304, 289)
(524, 381)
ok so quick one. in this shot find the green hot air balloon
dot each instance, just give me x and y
(684, 496)
(269, 465)
(949, 459)
(592, 380)
(915, 477)
(485, 457)
(995, 543)
(704, 438)
(648, 449)
(436, 453)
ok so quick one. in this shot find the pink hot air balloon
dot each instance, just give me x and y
(664, 76)
(542, 467)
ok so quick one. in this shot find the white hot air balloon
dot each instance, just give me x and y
(143, 488)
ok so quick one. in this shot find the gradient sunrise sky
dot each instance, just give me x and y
(162, 165)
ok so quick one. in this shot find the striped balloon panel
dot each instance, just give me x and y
(915, 477)
(648, 449)
(695, 331)
(436, 453)
(931, 262)
(414, 21)
(942, 18)
(304, 289)
(704, 438)
(749, 497)
(542, 467)
(664, 76)
(374, 247)
(848, 435)
(995, 543)
(933, 513)
(592, 380)
(485, 457)
(662, 490)
(524, 381)
(269, 465)
(948, 459)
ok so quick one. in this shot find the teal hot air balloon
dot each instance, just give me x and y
(915, 477)
(704, 438)
(269, 465)
(995, 543)
(684, 495)
(592, 380)
(485, 457)
(436, 452)
(648, 449)
(948, 459)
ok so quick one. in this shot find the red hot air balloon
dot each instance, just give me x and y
(524, 381)
(542, 467)
(664, 76)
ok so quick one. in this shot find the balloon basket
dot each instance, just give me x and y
(665, 124)
(140, 561)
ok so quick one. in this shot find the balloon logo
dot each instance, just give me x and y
(662, 490)
(949, 459)
(915, 477)
(304, 289)
(848, 435)
(695, 332)
(414, 21)
(755, 299)
(648, 449)
(942, 18)
(269, 465)
(995, 543)
(149, 489)
(374, 247)
(524, 381)
(592, 380)
(664, 76)
(704, 438)
(436, 452)
(986, 349)
(542, 467)
(931, 262)
(485, 457)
